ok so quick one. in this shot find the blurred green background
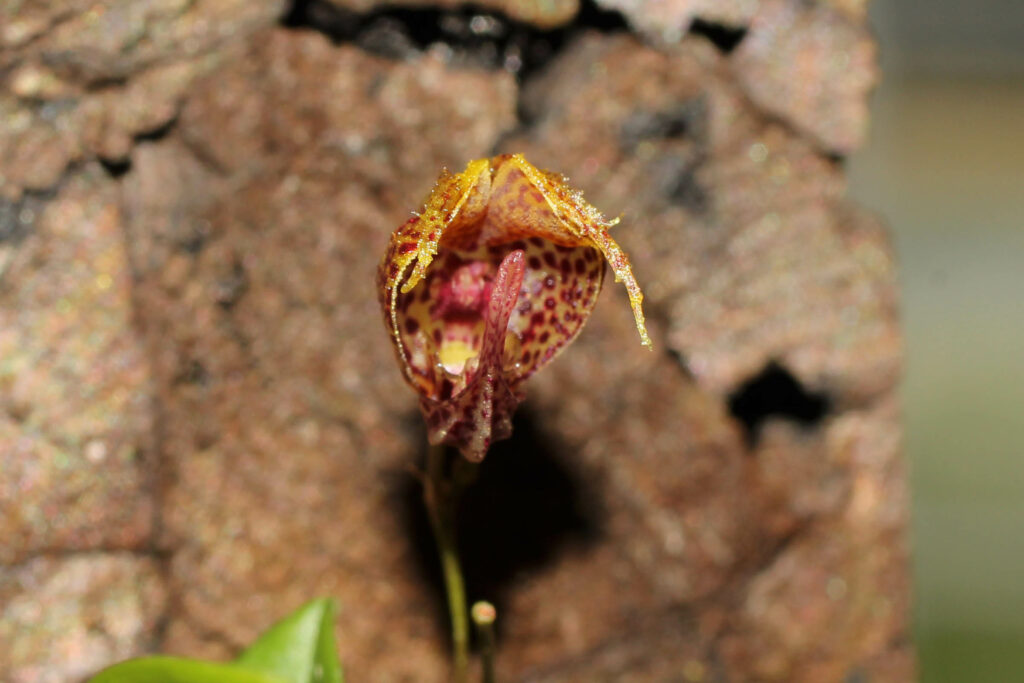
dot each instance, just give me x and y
(945, 166)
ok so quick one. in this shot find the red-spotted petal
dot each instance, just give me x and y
(560, 289)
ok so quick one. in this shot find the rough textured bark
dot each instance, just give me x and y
(202, 422)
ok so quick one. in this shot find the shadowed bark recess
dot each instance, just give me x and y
(202, 422)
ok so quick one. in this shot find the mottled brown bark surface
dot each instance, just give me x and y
(202, 423)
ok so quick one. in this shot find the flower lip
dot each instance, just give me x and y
(480, 412)
(492, 280)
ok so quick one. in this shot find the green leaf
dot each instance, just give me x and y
(176, 670)
(299, 648)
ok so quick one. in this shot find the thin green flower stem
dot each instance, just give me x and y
(440, 494)
(484, 614)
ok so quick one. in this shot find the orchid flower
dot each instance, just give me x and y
(489, 283)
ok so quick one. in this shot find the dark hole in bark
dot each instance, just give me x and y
(774, 392)
(476, 36)
(337, 23)
(117, 168)
(725, 38)
(835, 158)
(158, 133)
(527, 505)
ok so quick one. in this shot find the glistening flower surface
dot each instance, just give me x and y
(495, 277)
